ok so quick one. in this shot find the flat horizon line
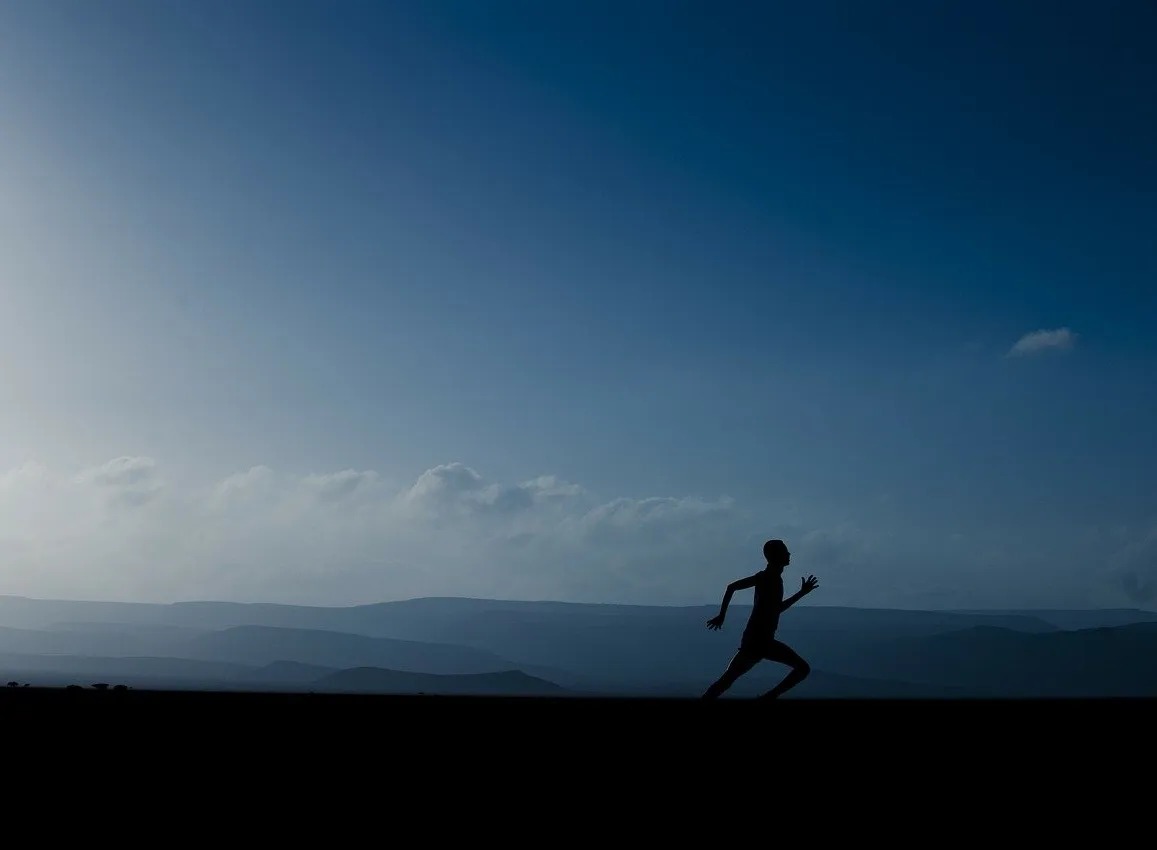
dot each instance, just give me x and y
(568, 603)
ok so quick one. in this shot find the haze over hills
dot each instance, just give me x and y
(543, 648)
(267, 644)
(379, 681)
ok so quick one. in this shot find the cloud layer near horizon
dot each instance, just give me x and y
(124, 530)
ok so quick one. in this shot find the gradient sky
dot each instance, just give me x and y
(342, 302)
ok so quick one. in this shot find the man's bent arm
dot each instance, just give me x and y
(738, 584)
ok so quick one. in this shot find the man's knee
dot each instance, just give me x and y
(803, 669)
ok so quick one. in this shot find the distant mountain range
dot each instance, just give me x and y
(450, 645)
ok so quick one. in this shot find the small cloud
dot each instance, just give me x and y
(1040, 341)
(132, 481)
(445, 482)
(336, 486)
(121, 472)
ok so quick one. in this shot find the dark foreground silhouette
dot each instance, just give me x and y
(759, 642)
(546, 747)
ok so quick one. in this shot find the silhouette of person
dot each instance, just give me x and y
(759, 642)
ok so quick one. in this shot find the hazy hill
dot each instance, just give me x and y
(28, 613)
(624, 644)
(1099, 662)
(595, 648)
(445, 619)
(378, 680)
(570, 643)
(287, 673)
(98, 639)
(258, 645)
(1085, 619)
(144, 631)
(169, 673)
(87, 669)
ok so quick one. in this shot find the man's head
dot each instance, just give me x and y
(776, 554)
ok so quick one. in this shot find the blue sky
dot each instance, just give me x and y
(611, 291)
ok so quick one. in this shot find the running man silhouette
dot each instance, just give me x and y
(759, 642)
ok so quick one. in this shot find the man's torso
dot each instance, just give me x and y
(764, 620)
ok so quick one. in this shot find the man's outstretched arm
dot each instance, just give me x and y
(806, 586)
(739, 584)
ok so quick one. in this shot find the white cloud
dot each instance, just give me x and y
(127, 530)
(458, 489)
(119, 530)
(134, 480)
(1037, 342)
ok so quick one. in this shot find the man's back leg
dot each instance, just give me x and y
(741, 662)
(781, 653)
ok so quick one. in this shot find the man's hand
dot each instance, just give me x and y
(807, 585)
(715, 622)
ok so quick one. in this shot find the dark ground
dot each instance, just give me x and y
(488, 767)
(730, 725)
